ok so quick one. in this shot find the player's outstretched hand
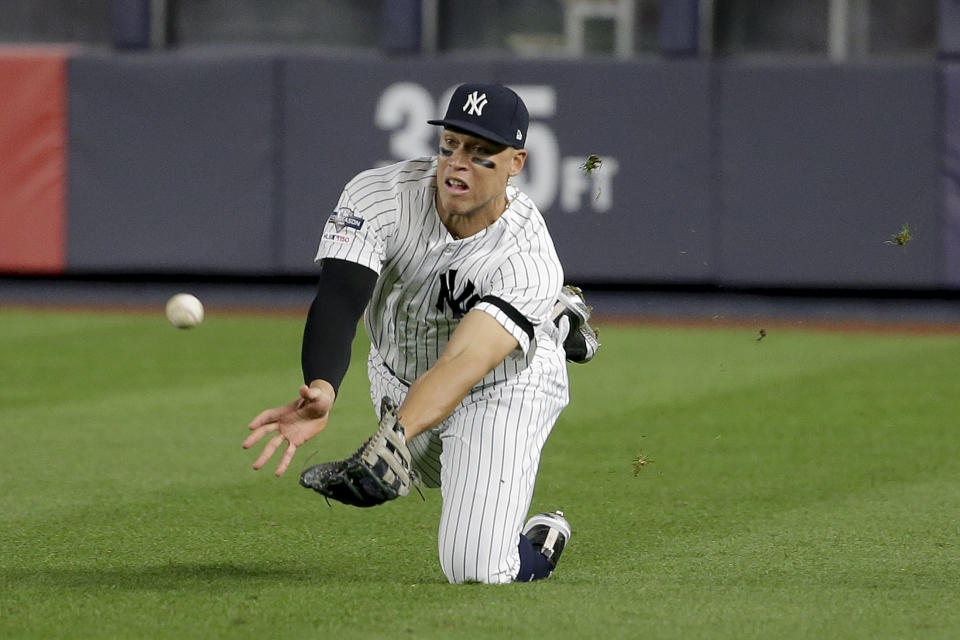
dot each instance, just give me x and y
(295, 422)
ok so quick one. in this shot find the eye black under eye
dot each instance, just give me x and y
(445, 152)
(484, 162)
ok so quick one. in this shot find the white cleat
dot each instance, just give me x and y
(549, 533)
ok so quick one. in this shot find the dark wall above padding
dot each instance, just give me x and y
(820, 165)
(172, 163)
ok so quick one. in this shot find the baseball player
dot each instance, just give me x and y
(467, 318)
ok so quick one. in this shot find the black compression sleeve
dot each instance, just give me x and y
(342, 294)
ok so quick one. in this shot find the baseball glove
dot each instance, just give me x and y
(571, 312)
(379, 470)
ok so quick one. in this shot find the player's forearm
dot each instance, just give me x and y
(434, 395)
(342, 293)
(478, 345)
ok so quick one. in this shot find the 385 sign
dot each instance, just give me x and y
(549, 177)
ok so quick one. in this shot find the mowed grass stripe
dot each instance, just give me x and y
(799, 486)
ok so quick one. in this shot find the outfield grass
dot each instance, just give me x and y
(802, 486)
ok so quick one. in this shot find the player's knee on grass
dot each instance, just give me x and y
(463, 563)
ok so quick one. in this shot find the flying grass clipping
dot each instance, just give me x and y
(639, 462)
(901, 237)
(590, 166)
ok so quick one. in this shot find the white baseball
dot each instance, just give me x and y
(184, 311)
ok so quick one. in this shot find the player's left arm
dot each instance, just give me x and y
(342, 293)
(478, 344)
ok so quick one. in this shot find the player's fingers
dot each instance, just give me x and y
(265, 416)
(286, 459)
(258, 433)
(268, 450)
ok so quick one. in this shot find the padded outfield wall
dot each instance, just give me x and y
(226, 161)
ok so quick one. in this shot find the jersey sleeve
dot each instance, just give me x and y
(523, 292)
(354, 234)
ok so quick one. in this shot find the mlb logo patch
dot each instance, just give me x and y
(344, 218)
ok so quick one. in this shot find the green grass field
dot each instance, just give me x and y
(802, 486)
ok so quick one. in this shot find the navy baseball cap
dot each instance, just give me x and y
(489, 111)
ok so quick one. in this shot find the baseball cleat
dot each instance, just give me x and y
(572, 304)
(582, 341)
(548, 533)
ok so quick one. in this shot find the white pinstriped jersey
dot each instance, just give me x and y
(386, 219)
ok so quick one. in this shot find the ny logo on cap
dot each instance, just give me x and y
(475, 104)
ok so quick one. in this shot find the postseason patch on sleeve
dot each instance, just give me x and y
(344, 223)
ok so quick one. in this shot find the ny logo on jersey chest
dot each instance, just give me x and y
(460, 304)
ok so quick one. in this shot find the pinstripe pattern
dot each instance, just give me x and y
(491, 454)
(403, 239)
(485, 455)
(485, 458)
